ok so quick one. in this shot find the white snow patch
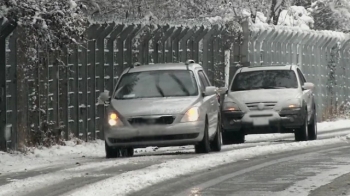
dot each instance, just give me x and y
(23, 186)
(130, 181)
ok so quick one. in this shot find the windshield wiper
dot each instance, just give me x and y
(274, 87)
(160, 90)
(183, 88)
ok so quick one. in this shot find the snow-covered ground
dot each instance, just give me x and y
(72, 153)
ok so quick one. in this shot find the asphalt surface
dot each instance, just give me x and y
(266, 175)
(262, 175)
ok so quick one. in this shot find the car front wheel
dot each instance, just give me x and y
(302, 134)
(111, 152)
(204, 145)
(215, 145)
(312, 127)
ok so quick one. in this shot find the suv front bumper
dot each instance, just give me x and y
(266, 121)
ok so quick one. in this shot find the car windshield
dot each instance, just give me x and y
(266, 79)
(150, 84)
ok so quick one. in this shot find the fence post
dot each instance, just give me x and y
(170, 56)
(193, 45)
(244, 53)
(91, 34)
(197, 39)
(111, 60)
(176, 44)
(128, 44)
(258, 47)
(163, 40)
(100, 77)
(143, 57)
(6, 28)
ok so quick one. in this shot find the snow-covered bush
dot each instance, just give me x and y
(46, 21)
(296, 16)
(331, 15)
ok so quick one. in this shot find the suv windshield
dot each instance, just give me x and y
(266, 79)
(169, 83)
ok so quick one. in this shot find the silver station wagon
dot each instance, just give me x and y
(162, 105)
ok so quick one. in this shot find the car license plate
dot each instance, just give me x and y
(261, 122)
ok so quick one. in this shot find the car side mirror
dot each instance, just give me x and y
(104, 98)
(210, 90)
(222, 90)
(308, 86)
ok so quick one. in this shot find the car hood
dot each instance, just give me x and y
(153, 106)
(265, 95)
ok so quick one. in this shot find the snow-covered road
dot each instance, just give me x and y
(83, 170)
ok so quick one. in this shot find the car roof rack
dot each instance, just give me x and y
(188, 62)
(136, 64)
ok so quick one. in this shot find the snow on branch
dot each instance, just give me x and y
(46, 21)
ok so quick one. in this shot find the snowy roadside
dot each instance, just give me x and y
(130, 181)
(94, 151)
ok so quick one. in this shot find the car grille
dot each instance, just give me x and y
(267, 105)
(162, 120)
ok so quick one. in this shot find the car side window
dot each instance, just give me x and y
(301, 77)
(204, 80)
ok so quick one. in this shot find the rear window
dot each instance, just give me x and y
(150, 84)
(266, 79)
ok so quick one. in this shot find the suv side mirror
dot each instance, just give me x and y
(104, 98)
(222, 90)
(308, 86)
(210, 90)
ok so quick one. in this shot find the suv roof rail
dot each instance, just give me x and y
(136, 64)
(189, 61)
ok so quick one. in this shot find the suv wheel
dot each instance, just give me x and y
(232, 137)
(204, 145)
(130, 152)
(215, 145)
(111, 152)
(312, 127)
(302, 133)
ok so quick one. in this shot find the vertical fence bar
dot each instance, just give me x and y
(129, 47)
(83, 89)
(100, 77)
(111, 57)
(163, 40)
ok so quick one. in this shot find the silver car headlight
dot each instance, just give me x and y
(191, 115)
(114, 120)
(230, 106)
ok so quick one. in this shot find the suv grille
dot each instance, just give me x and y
(267, 105)
(163, 120)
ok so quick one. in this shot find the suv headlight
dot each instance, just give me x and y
(113, 120)
(292, 104)
(191, 115)
(230, 106)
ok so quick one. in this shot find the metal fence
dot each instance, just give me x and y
(322, 55)
(59, 97)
